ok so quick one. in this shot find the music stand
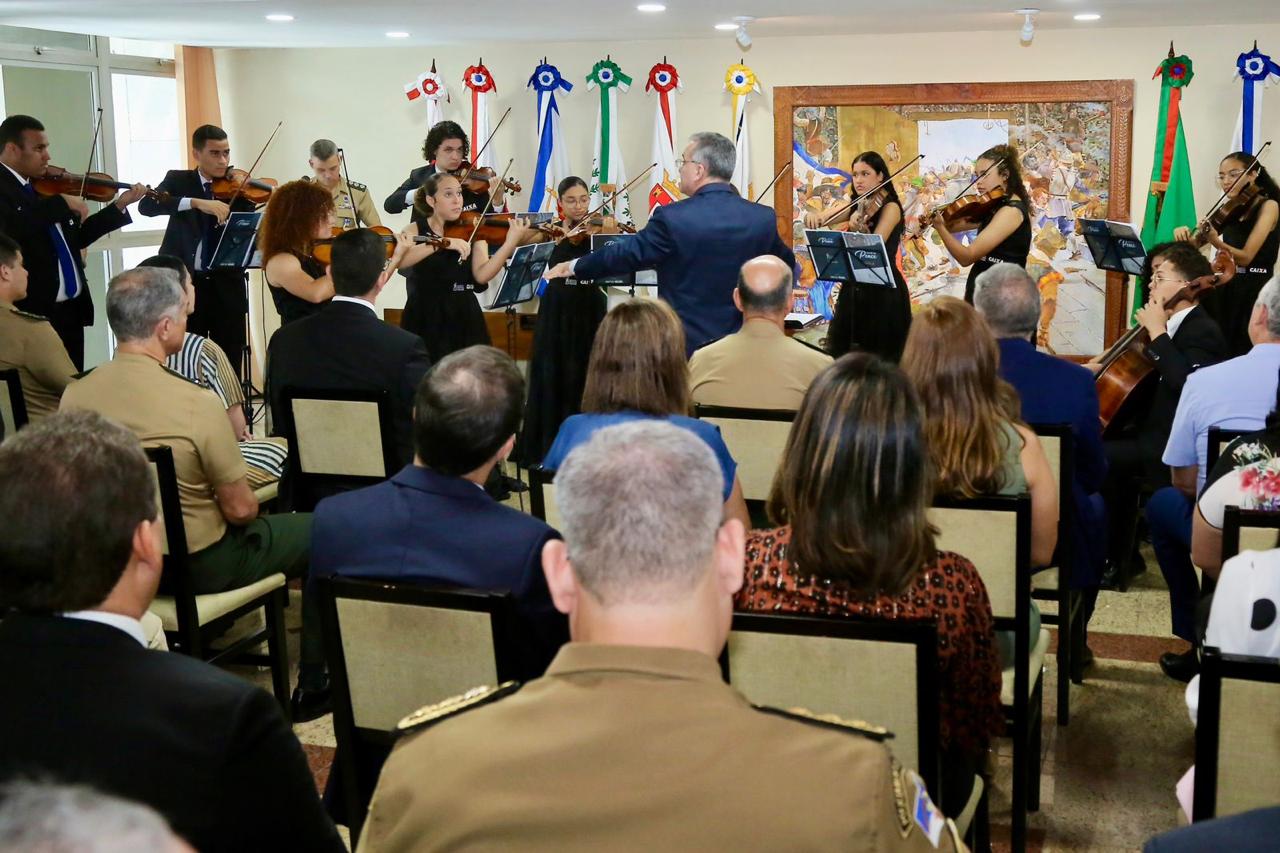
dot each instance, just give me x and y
(524, 271)
(1115, 246)
(643, 278)
(830, 260)
(237, 249)
(868, 259)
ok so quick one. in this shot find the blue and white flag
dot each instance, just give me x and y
(1256, 71)
(553, 160)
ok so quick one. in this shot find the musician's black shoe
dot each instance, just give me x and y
(1180, 667)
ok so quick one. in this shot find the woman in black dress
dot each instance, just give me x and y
(296, 216)
(1251, 238)
(568, 315)
(1004, 235)
(867, 317)
(442, 306)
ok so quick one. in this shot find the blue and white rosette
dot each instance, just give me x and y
(1256, 71)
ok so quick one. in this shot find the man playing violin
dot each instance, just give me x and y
(195, 226)
(352, 204)
(52, 231)
(445, 149)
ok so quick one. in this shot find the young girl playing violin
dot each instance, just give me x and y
(442, 305)
(1251, 239)
(870, 318)
(1004, 234)
(296, 216)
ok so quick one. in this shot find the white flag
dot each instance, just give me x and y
(664, 180)
(478, 79)
(607, 167)
(553, 161)
(741, 82)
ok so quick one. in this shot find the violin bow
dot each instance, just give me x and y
(628, 185)
(488, 205)
(982, 175)
(248, 176)
(346, 176)
(1253, 164)
(765, 191)
(93, 148)
(492, 133)
(833, 214)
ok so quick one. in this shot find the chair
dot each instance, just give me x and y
(994, 533)
(1054, 583)
(191, 620)
(1248, 530)
(542, 495)
(338, 440)
(393, 648)
(13, 407)
(1237, 740)
(1216, 441)
(756, 439)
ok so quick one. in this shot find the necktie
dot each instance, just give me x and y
(66, 261)
(210, 224)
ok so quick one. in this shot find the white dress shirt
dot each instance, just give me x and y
(358, 301)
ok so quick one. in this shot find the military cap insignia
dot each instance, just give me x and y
(877, 733)
(473, 698)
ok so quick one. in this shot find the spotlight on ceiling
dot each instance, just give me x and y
(1028, 31)
(742, 37)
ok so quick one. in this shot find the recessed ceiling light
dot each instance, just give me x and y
(727, 27)
(651, 7)
(397, 35)
(1087, 16)
(280, 19)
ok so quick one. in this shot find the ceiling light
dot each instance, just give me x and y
(728, 28)
(397, 35)
(280, 19)
(742, 37)
(651, 7)
(1087, 16)
(1028, 31)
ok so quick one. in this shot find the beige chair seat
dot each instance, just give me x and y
(153, 631)
(213, 605)
(965, 819)
(1034, 663)
(267, 492)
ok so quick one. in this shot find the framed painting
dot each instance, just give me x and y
(1074, 139)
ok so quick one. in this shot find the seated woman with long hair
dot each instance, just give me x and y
(851, 496)
(638, 370)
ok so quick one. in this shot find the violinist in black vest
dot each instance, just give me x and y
(446, 148)
(195, 226)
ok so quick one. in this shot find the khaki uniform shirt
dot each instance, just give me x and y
(757, 367)
(29, 343)
(163, 407)
(347, 199)
(625, 748)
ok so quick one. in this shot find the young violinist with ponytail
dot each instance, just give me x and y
(869, 318)
(1250, 236)
(1004, 234)
(442, 306)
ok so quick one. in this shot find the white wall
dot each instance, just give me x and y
(355, 96)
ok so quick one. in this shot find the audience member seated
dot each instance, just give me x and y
(851, 495)
(347, 346)
(229, 545)
(638, 372)
(1248, 832)
(1236, 394)
(1052, 391)
(28, 341)
(297, 215)
(633, 740)
(975, 435)
(758, 366)
(203, 362)
(85, 701)
(43, 818)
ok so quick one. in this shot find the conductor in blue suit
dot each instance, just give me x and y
(696, 245)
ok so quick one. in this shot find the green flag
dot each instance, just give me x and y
(1171, 202)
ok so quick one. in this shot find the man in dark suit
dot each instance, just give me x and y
(346, 346)
(697, 245)
(51, 231)
(1248, 832)
(1053, 391)
(445, 148)
(85, 701)
(195, 227)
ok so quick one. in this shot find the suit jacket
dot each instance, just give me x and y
(422, 526)
(1248, 832)
(186, 228)
(345, 346)
(395, 202)
(697, 246)
(86, 703)
(1055, 391)
(26, 221)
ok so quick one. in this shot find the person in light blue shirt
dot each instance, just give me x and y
(638, 371)
(1236, 394)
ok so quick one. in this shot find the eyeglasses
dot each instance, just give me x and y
(1166, 279)
(681, 162)
(1230, 176)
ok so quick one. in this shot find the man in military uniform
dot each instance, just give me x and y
(28, 342)
(632, 741)
(230, 546)
(352, 206)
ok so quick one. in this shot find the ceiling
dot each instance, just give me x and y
(356, 23)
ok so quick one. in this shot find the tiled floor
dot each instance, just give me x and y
(1107, 779)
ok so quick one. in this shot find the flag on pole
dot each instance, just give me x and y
(478, 79)
(1170, 201)
(1256, 71)
(741, 82)
(606, 167)
(553, 160)
(429, 89)
(664, 179)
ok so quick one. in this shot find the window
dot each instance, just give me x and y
(147, 145)
(136, 47)
(25, 37)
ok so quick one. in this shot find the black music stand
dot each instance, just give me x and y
(238, 249)
(524, 271)
(628, 280)
(850, 257)
(1115, 246)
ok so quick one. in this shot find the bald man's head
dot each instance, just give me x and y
(764, 286)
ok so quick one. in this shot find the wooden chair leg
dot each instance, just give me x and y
(278, 648)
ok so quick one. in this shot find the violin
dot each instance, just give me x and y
(95, 186)
(1240, 203)
(493, 227)
(322, 249)
(236, 183)
(598, 224)
(867, 209)
(477, 179)
(967, 208)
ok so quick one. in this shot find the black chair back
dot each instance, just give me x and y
(1217, 440)
(1248, 530)
(13, 406)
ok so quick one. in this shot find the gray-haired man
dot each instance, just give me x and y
(352, 205)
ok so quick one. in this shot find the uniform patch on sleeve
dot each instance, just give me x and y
(926, 814)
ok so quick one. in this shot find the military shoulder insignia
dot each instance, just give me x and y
(356, 185)
(26, 315)
(194, 382)
(472, 699)
(831, 721)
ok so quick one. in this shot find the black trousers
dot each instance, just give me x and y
(221, 308)
(66, 321)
